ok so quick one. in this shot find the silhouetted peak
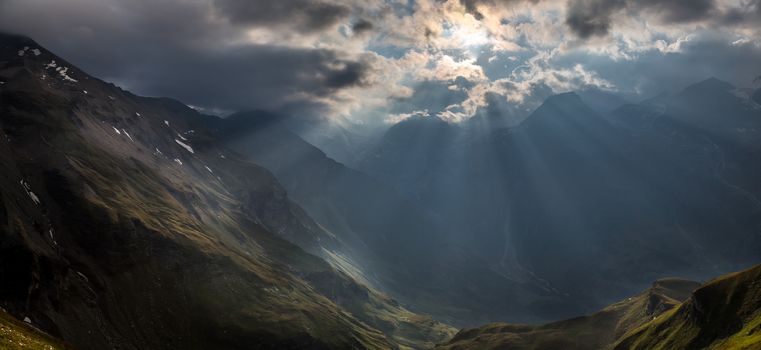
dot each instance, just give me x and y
(9, 39)
(250, 120)
(563, 106)
(419, 126)
(710, 84)
(420, 122)
(602, 101)
(564, 99)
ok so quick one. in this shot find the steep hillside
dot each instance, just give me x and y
(124, 225)
(392, 239)
(17, 335)
(364, 213)
(723, 314)
(595, 331)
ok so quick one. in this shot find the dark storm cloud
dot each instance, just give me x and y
(748, 14)
(362, 26)
(179, 50)
(471, 6)
(677, 11)
(588, 18)
(302, 15)
(249, 76)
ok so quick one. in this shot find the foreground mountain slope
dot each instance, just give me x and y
(723, 314)
(14, 334)
(673, 314)
(123, 225)
(595, 331)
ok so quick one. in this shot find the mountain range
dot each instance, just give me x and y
(135, 222)
(582, 207)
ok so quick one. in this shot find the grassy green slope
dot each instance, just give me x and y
(594, 331)
(16, 335)
(723, 314)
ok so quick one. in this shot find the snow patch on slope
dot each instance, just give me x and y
(126, 133)
(184, 145)
(29, 192)
(62, 71)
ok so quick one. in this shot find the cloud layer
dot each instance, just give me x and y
(372, 61)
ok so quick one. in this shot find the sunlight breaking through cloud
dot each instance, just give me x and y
(359, 59)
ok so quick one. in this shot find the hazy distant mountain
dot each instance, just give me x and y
(587, 207)
(362, 212)
(393, 240)
(124, 224)
(409, 150)
(601, 101)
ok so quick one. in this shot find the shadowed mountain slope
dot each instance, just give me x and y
(392, 239)
(125, 225)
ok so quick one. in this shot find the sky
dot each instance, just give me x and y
(382, 61)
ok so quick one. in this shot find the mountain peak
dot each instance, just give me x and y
(420, 122)
(568, 118)
(566, 104)
(565, 97)
(249, 120)
(15, 39)
(602, 101)
(14, 46)
(711, 84)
